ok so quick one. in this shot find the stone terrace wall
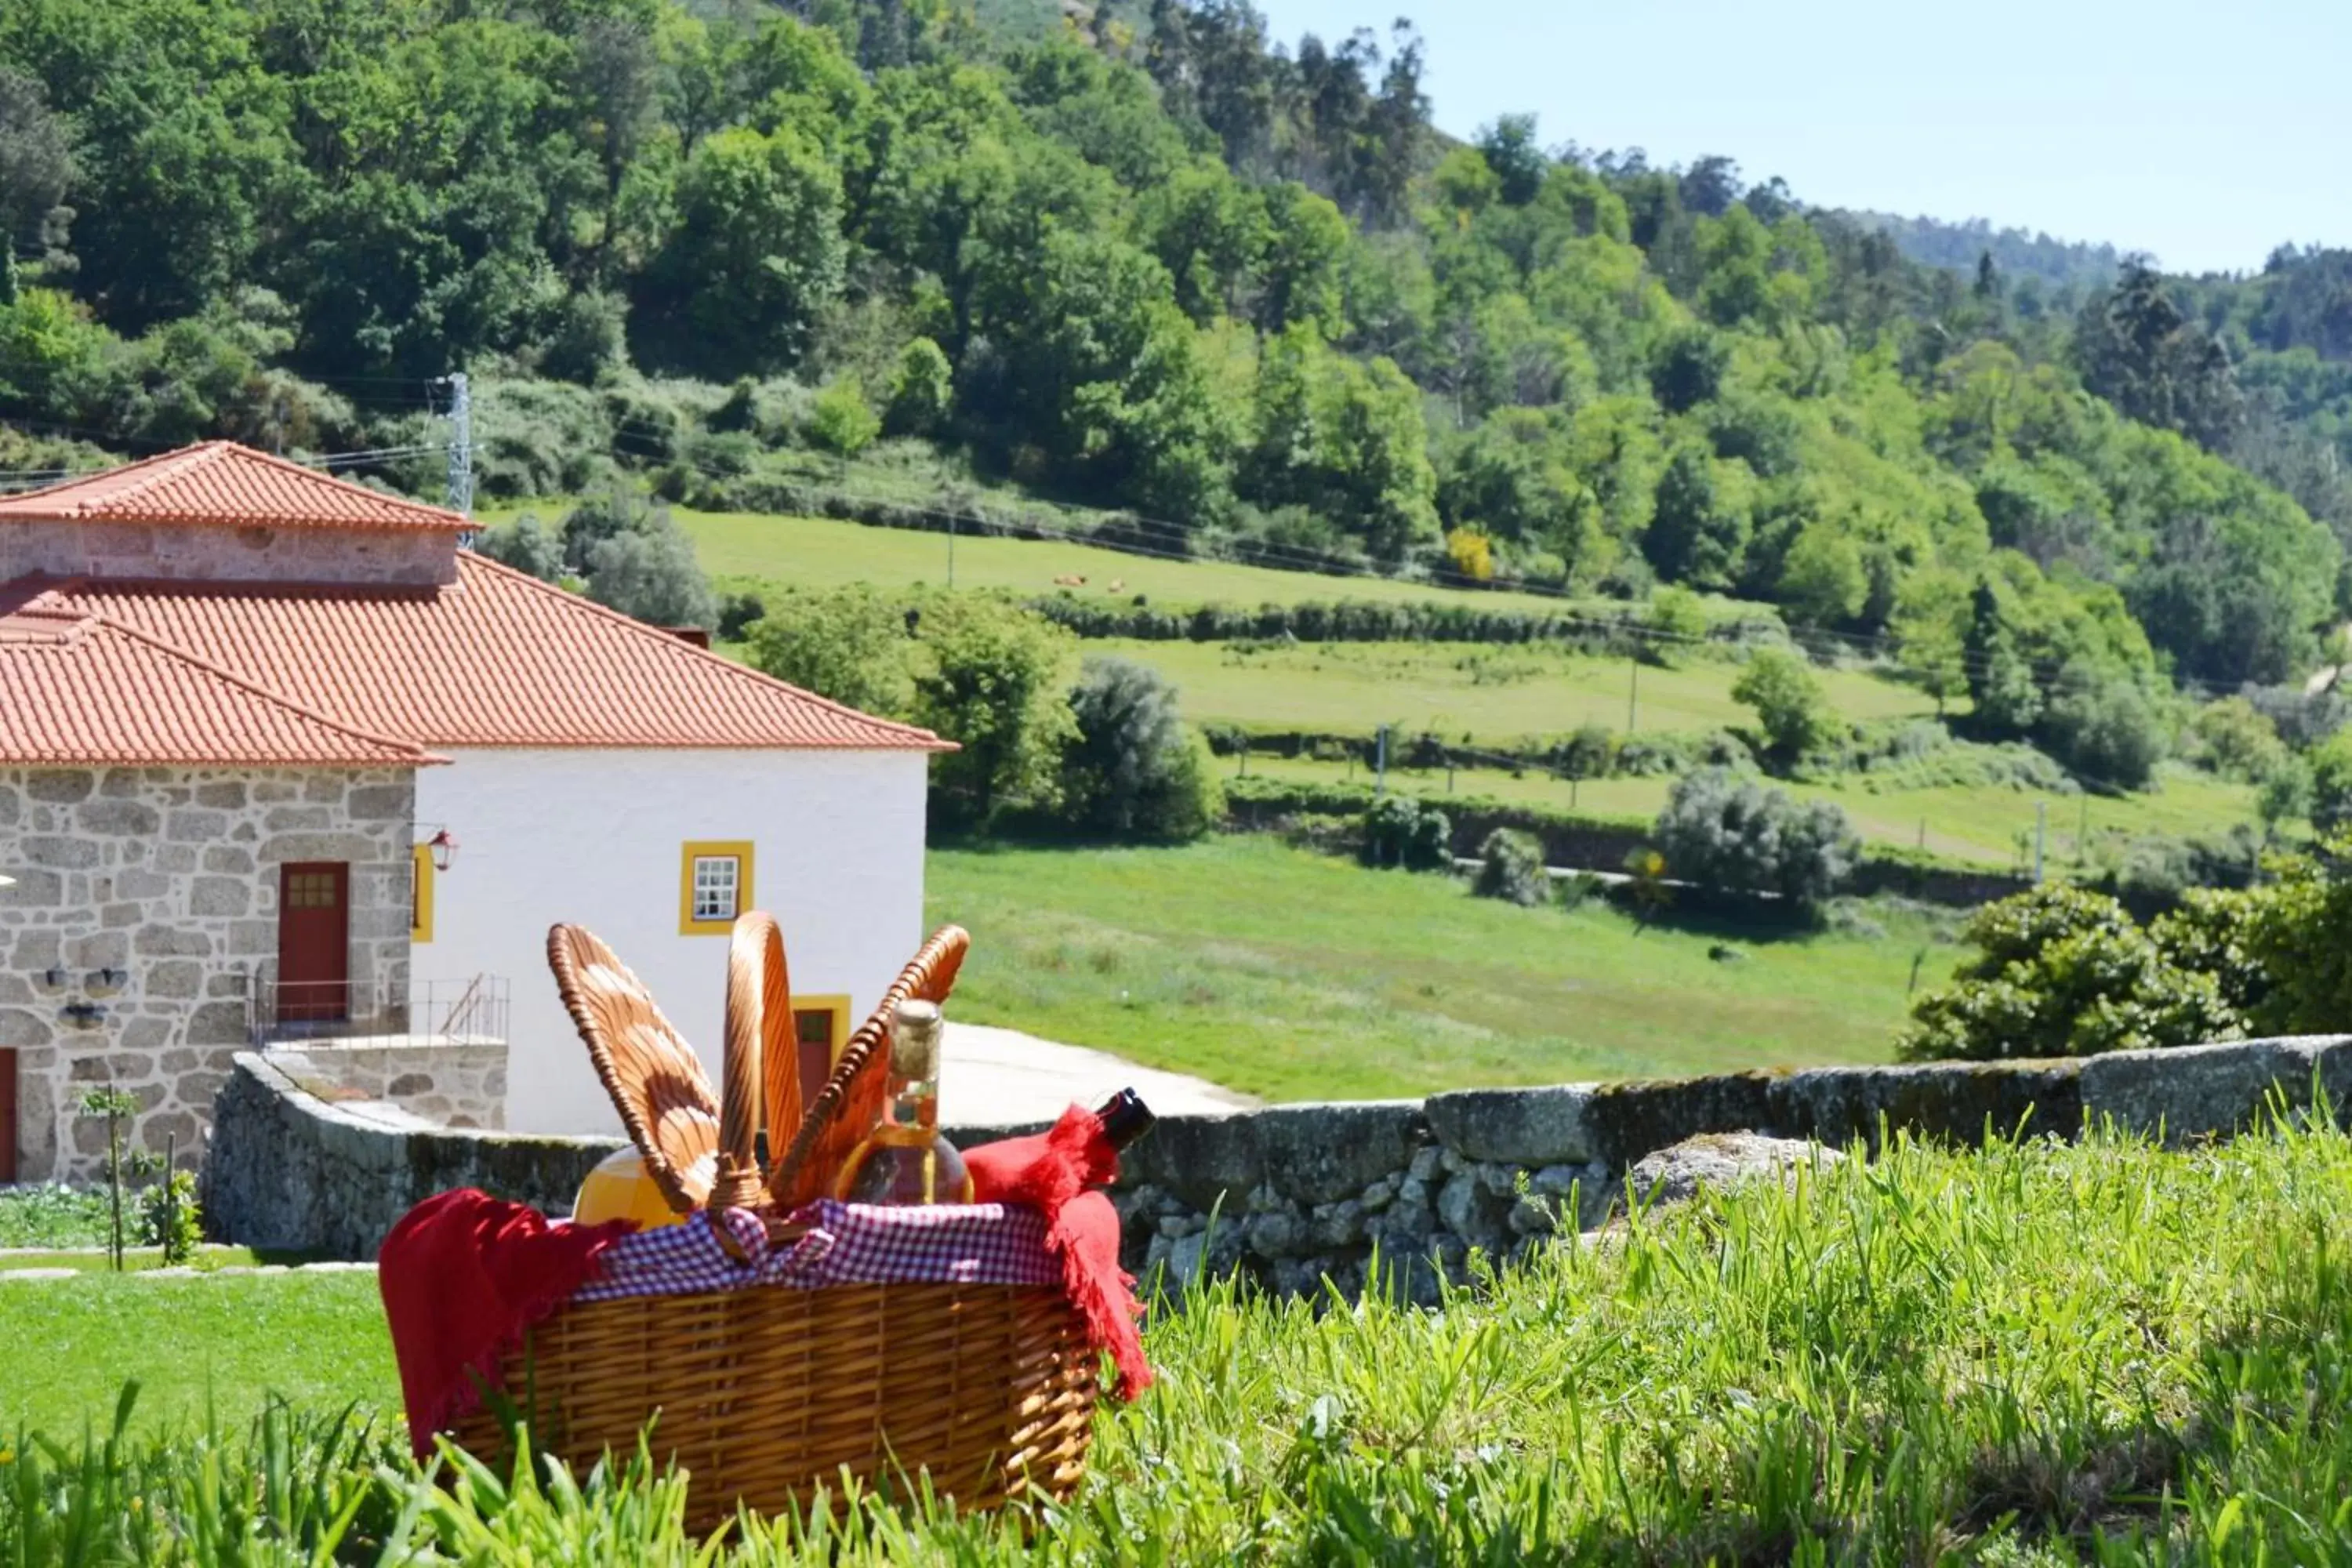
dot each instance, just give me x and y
(1304, 1192)
(289, 1171)
(168, 878)
(452, 1083)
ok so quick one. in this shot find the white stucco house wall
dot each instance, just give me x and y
(280, 760)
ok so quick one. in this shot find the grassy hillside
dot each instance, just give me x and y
(1978, 822)
(1297, 977)
(1492, 694)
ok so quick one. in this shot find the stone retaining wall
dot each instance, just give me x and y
(456, 1083)
(1303, 1193)
(289, 1171)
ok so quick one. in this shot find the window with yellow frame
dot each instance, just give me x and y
(714, 886)
(420, 893)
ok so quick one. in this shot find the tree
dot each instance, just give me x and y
(2000, 681)
(2331, 782)
(650, 572)
(1688, 370)
(2238, 740)
(1400, 831)
(1510, 149)
(37, 168)
(921, 390)
(2102, 727)
(1788, 701)
(1133, 768)
(1698, 533)
(526, 546)
(989, 679)
(756, 252)
(850, 645)
(1722, 831)
(1821, 578)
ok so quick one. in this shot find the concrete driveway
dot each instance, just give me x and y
(1003, 1078)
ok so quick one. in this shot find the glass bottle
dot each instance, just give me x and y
(905, 1160)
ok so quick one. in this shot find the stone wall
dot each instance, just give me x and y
(219, 553)
(289, 1171)
(144, 915)
(446, 1083)
(1304, 1192)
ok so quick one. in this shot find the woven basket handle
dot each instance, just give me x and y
(847, 1109)
(759, 1026)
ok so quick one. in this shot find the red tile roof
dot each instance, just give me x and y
(495, 659)
(82, 690)
(222, 483)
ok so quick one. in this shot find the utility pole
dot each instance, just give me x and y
(1632, 688)
(2041, 836)
(1380, 782)
(951, 522)
(461, 445)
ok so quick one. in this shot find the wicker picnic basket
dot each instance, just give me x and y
(766, 1394)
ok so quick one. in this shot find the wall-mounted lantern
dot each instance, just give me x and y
(443, 846)
(83, 1015)
(101, 982)
(55, 977)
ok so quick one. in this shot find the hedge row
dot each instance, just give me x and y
(1600, 843)
(1613, 630)
(1640, 756)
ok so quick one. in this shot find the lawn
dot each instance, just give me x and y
(2036, 1355)
(1495, 694)
(1979, 823)
(316, 1338)
(1299, 976)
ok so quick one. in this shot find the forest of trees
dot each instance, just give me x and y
(1239, 289)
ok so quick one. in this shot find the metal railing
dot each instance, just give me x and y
(422, 1012)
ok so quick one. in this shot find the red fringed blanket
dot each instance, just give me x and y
(1052, 1172)
(463, 1275)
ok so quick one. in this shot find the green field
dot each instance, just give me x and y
(1490, 694)
(819, 552)
(1297, 977)
(316, 1338)
(1973, 823)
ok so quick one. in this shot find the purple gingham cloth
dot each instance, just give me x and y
(847, 1244)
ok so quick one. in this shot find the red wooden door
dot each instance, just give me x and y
(8, 1115)
(314, 942)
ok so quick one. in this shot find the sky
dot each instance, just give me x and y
(2206, 133)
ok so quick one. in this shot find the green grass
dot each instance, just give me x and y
(317, 1338)
(819, 552)
(2037, 1354)
(1299, 977)
(1975, 823)
(135, 1259)
(1495, 694)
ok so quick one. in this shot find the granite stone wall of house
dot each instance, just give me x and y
(458, 1083)
(144, 919)
(416, 557)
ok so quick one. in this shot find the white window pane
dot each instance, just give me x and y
(716, 880)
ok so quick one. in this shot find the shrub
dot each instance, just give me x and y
(2238, 740)
(1511, 867)
(850, 645)
(170, 1218)
(2294, 929)
(2104, 729)
(840, 421)
(1132, 768)
(1589, 753)
(2064, 972)
(1789, 702)
(738, 614)
(1722, 831)
(2331, 782)
(1676, 619)
(1399, 830)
